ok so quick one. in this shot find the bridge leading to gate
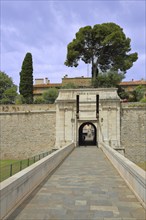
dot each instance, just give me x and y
(85, 185)
(80, 182)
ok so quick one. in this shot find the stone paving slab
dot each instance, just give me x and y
(85, 187)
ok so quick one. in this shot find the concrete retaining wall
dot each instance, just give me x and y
(16, 188)
(134, 176)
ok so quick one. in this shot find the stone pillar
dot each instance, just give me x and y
(65, 119)
(109, 118)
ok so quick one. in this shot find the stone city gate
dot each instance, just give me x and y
(88, 117)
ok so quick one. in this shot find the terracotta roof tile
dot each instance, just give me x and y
(126, 83)
(47, 85)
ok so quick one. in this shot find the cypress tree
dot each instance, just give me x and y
(26, 79)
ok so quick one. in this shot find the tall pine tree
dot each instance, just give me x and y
(26, 79)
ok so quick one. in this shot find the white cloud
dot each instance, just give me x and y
(44, 28)
(9, 30)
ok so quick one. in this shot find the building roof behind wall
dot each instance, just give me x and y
(50, 85)
(133, 82)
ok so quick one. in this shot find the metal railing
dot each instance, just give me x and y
(13, 168)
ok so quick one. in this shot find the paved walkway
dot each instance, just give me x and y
(86, 186)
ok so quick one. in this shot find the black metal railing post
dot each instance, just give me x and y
(11, 169)
(20, 165)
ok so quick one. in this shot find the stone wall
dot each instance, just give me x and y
(27, 133)
(28, 130)
(26, 108)
(133, 131)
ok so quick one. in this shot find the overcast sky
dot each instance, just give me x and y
(44, 28)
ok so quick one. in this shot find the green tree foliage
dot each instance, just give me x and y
(8, 90)
(105, 46)
(137, 94)
(69, 86)
(122, 93)
(143, 100)
(19, 99)
(39, 100)
(108, 79)
(50, 95)
(26, 79)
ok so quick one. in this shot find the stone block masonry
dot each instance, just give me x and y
(25, 134)
(133, 131)
(28, 130)
(26, 107)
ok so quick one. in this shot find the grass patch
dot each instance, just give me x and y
(7, 162)
(137, 104)
(142, 165)
(11, 167)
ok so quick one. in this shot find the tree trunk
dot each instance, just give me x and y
(94, 71)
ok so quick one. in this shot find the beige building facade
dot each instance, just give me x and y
(42, 85)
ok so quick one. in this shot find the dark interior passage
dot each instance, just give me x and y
(87, 134)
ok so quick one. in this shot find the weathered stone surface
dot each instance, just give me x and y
(107, 124)
(28, 130)
(25, 134)
(16, 188)
(85, 187)
(133, 132)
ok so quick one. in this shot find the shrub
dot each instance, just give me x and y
(69, 86)
(19, 99)
(8, 90)
(143, 100)
(50, 95)
(39, 100)
(108, 79)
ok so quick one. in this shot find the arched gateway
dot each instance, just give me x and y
(85, 116)
(87, 134)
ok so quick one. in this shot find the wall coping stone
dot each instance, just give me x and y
(134, 176)
(28, 112)
(17, 188)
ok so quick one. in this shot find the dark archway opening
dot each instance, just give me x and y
(87, 134)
